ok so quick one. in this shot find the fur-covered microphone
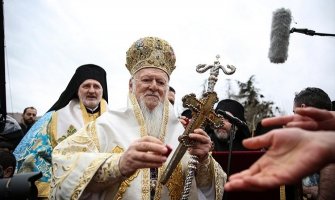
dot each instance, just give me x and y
(280, 35)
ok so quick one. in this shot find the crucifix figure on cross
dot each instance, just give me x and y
(202, 114)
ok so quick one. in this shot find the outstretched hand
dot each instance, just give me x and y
(293, 153)
(308, 118)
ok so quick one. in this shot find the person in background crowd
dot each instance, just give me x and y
(222, 136)
(10, 134)
(316, 183)
(171, 95)
(7, 164)
(28, 118)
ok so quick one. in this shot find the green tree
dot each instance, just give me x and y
(255, 107)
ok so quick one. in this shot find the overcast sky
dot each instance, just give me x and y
(47, 40)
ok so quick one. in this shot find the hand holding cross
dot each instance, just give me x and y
(204, 115)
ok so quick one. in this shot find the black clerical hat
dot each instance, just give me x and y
(84, 72)
(232, 106)
(237, 110)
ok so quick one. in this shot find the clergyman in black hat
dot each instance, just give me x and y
(221, 136)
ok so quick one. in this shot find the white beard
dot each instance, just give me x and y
(153, 119)
(221, 134)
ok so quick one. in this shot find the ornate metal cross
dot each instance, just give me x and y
(214, 72)
(202, 114)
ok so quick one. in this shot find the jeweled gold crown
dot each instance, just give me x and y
(150, 52)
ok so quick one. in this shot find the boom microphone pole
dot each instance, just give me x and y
(309, 32)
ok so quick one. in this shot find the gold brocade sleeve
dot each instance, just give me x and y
(204, 174)
(75, 161)
(211, 173)
(109, 172)
(220, 179)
